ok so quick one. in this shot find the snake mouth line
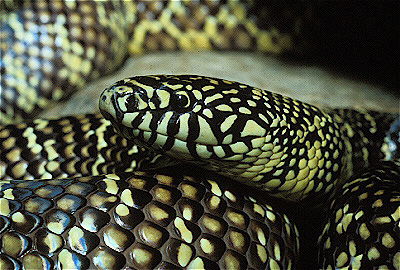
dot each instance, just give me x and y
(165, 144)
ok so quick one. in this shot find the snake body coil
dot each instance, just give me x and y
(140, 220)
(101, 212)
(195, 116)
(362, 228)
(52, 48)
(70, 146)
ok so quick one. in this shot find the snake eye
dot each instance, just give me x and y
(130, 103)
(180, 100)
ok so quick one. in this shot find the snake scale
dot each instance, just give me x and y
(94, 208)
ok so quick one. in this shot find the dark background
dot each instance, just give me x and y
(360, 38)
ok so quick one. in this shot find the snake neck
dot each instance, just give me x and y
(369, 137)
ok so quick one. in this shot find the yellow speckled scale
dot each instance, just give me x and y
(300, 155)
(70, 146)
(362, 229)
(52, 48)
(296, 154)
(289, 149)
(172, 220)
(109, 230)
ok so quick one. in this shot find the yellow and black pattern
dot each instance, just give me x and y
(70, 146)
(371, 136)
(262, 139)
(173, 220)
(362, 230)
(141, 220)
(286, 147)
(189, 118)
(52, 48)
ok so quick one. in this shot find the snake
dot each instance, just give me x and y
(50, 49)
(100, 211)
(274, 143)
(185, 117)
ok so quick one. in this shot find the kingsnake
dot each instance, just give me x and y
(178, 217)
(52, 48)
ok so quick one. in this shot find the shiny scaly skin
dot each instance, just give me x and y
(290, 149)
(183, 116)
(81, 145)
(141, 220)
(362, 229)
(99, 133)
(86, 145)
(52, 43)
(52, 48)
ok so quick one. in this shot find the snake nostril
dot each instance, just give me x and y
(103, 98)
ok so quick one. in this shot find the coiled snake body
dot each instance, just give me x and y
(52, 48)
(179, 217)
(186, 117)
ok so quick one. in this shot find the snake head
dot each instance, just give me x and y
(186, 116)
(248, 134)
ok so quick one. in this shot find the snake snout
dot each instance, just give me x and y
(106, 104)
(118, 100)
